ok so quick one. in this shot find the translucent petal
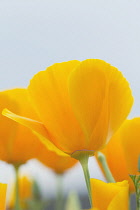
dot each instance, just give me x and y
(49, 95)
(37, 127)
(87, 88)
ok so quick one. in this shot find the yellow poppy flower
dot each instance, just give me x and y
(80, 104)
(18, 143)
(3, 189)
(122, 152)
(25, 192)
(110, 196)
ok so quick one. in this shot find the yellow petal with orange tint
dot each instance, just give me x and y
(120, 98)
(120, 201)
(48, 92)
(130, 137)
(30, 123)
(101, 98)
(87, 88)
(115, 155)
(37, 127)
(110, 196)
(58, 163)
(94, 209)
(3, 189)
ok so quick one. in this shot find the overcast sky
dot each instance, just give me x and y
(37, 33)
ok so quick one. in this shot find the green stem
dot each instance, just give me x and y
(84, 163)
(59, 195)
(17, 199)
(108, 174)
(83, 156)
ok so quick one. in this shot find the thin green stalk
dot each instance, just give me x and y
(17, 199)
(108, 174)
(83, 156)
(84, 163)
(59, 195)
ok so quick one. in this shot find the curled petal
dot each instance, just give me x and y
(37, 127)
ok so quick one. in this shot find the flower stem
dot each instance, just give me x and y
(59, 196)
(17, 199)
(83, 156)
(108, 174)
(84, 163)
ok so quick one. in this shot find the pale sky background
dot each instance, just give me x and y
(37, 33)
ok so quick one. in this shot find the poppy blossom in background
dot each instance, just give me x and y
(25, 192)
(18, 143)
(3, 189)
(123, 150)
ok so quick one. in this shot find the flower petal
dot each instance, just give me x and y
(37, 127)
(120, 201)
(120, 99)
(108, 194)
(130, 136)
(87, 88)
(49, 96)
(115, 155)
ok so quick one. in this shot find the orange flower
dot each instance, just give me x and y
(110, 196)
(123, 151)
(80, 104)
(18, 143)
(3, 189)
(58, 163)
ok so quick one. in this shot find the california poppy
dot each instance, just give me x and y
(122, 152)
(18, 143)
(80, 105)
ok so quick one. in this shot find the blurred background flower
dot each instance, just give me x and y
(3, 190)
(25, 192)
(19, 144)
(122, 152)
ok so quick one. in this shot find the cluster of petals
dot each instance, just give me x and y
(68, 108)
(79, 105)
(19, 144)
